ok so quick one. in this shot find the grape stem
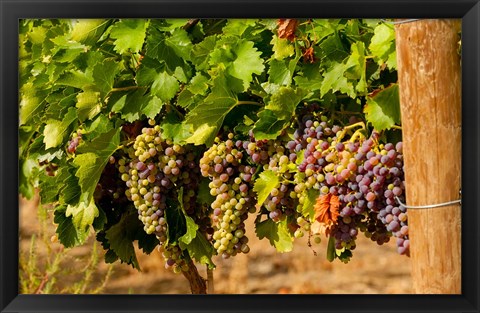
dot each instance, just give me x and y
(346, 128)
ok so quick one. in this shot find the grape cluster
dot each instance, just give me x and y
(157, 170)
(364, 175)
(74, 142)
(231, 185)
(274, 156)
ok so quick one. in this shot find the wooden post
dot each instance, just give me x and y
(429, 76)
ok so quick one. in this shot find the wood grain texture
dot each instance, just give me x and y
(429, 75)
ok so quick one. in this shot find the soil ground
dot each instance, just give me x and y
(373, 269)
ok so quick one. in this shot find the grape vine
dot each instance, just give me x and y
(171, 134)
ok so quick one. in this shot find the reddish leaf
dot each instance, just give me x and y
(308, 55)
(326, 210)
(286, 28)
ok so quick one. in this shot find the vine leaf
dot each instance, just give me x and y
(265, 183)
(284, 101)
(173, 128)
(207, 117)
(120, 237)
(383, 108)
(308, 209)
(268, 126)
(287, 28)
(382, 45)
(32, 104)
(55, 132)
(165, 86)
(92, 158)
(88, 104)
(104, 74)
(192, 227)
(246, 63)
(82, 214)
(277, 233)
(281, 48)
(88, 31)
(326, 210)
(335, 80)
(201, 250)
(129, 35)
(68, 234)
(133, 105)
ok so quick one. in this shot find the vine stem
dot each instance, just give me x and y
(210, 285)
(249, 102)
(197, 283)
(126, 88)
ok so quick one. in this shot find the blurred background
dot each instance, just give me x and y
(46, 267)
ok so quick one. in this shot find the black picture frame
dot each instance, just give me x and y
(12, 10)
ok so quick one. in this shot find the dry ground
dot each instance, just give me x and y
(373, 269)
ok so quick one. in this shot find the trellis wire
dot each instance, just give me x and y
(429, 206)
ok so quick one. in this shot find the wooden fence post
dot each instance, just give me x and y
(429, 75)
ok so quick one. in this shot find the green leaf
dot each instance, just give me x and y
(265, 183)
(198, 85)
(200, 54)
(247, 62)
(356, 67)
(201, 250)
(311, 78)
(58, 107)
(279, 73)
(284, 101)
(26, 176)
(101, 124)
(277, 233)
(382, 45)
(334, 80)
(165, 86)
(56, 132)
(120, 237)
(88, 31)
(68, 234)
(82, 214)
(176, 222)
(269, 125)
(237, 27)
(133, 105)
(146, 242)
(76, 79)
(207, 117)
(100, 221)
(104, 75)
(88, 104)
(310, 197)
(32, 104)
(203, 193)
(129, 35)
(282, 48)
(92, 158)
(71, 191)
(383, 109)
(192, 227)
(157, 48)
(180, 43)
(173, 128)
